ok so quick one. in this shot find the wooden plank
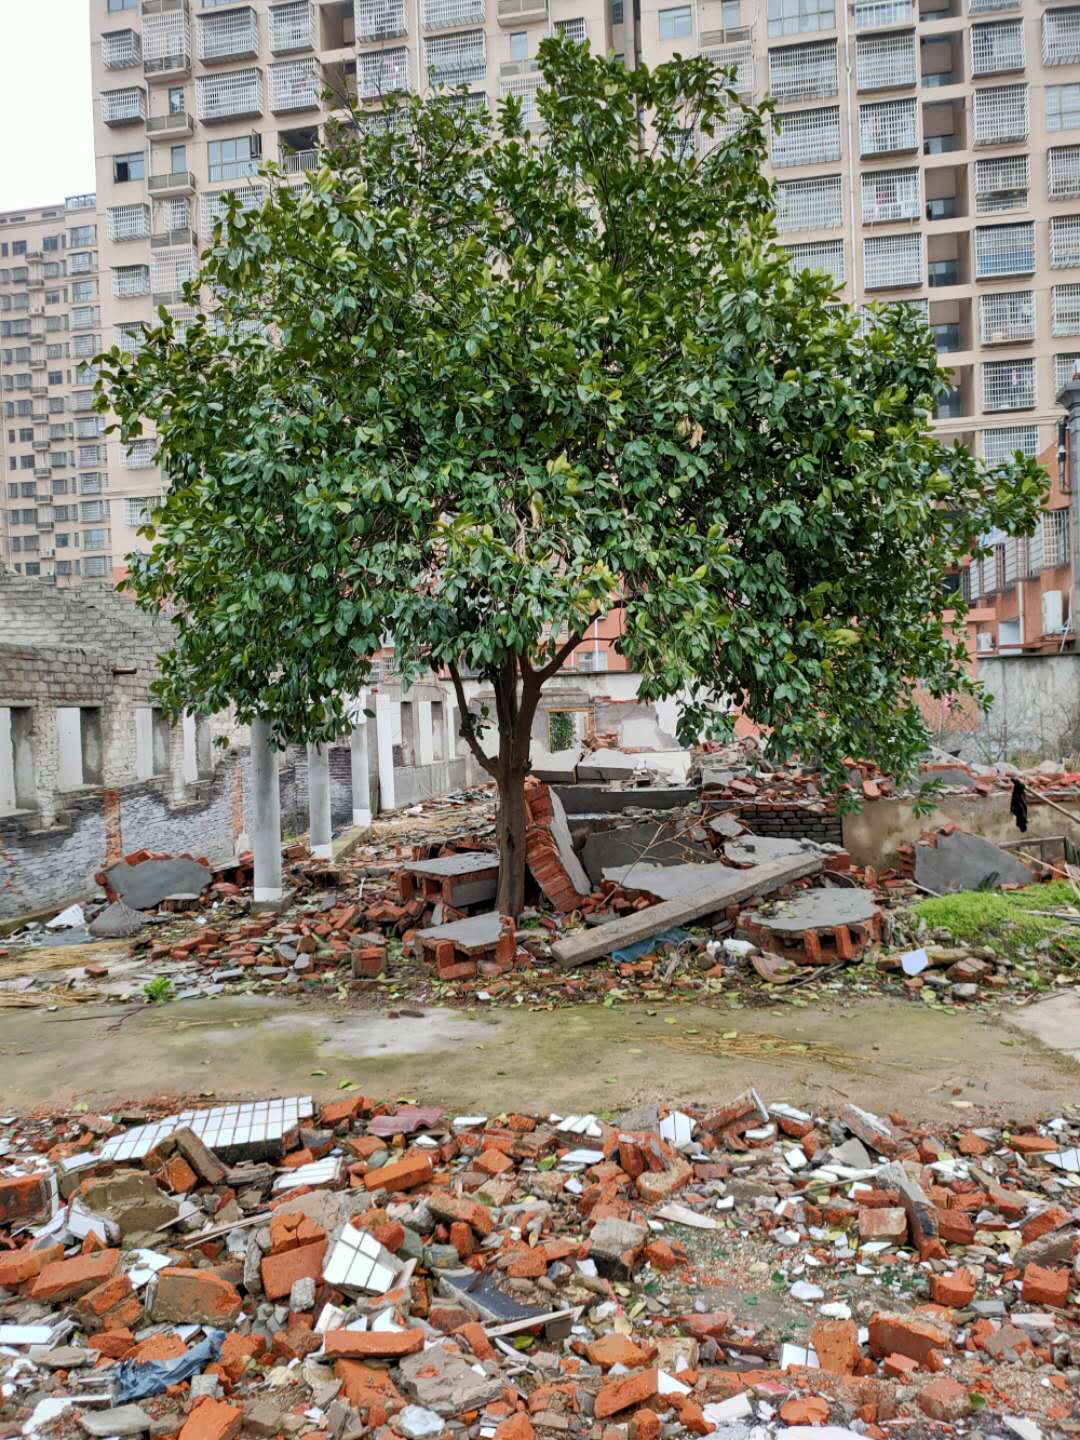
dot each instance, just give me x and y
(644, 924)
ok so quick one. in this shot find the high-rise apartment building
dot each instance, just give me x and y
(54, 506)
(928, 152)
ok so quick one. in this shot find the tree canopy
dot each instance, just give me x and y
(471, 386)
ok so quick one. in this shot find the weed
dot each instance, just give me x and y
(160, 990)
(1003, 920)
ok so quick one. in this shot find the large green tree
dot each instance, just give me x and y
(470, 387)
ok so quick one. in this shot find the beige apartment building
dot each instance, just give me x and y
(54, 504)
(928, 152)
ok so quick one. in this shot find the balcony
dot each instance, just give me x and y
(229, 97)
(300, 162)
(128, 222)
(1006, 318)
(292, 27)
(121, 49)
(807, 137)
(455, 60)
(294, 85)
(513, 13)
(123, 107)
(381, 72)
(233, 35)
(175, 125)
(166, 239)
(879, 14)
(178, 182)
(947, 338)
(379, 20)
(1001, 183)
(888, 127)
(889, 196)
(885, 62)
(167, 46)
(943, 273)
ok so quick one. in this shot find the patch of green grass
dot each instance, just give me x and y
(1004, 920)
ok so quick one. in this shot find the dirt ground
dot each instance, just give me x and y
(880, 1054)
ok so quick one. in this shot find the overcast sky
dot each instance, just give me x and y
(46, 121)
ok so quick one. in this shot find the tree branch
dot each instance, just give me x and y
(467, 724)
(560, 655)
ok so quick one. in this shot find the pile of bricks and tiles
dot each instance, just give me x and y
(280, 1269)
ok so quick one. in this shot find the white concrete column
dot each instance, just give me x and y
(361, 777)
(265, 815)
(384, 739)
(450, 711)
(320, 836)
(424, 740)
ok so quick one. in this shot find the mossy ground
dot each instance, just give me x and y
(1006, 921)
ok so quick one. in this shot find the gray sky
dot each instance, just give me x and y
(46, 121)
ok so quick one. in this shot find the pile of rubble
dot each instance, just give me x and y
(264, 1270)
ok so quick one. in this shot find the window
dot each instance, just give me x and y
(1064, 242)
(1006, 317)
(1063, 171)
(800, 17)
(94, 540)
(89, 485)
(676, 24)
(888, 126)
(129, 167)
(1003, 443)
(455, 59)
(1065, 367)
(18, 247)
(1008, 384)
(93, 510)
(230, 159)
(1001, 183)
(83, 290)
(807, 137)
(519, 45)
(890, 195)
(885, 61)
(891, 261)
(1004, 250)
(235, 94)
(996, 47)
(803, 72)
(113, 5)
(1065, 309)
(140, 509)
(94, 565)
(815, 204)
(177, 159)
(1061, 37)
(1062, 107)
(56, 377)
(82, 235)
(827, 255)
(731, 14)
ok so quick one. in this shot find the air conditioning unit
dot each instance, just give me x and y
(1053, 613)
(984, 642)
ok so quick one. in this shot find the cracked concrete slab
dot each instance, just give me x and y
(1054, 1021)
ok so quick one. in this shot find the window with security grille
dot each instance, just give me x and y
(172, 215)
(229, 36)
(128, 280)
(172, 269)
(1064, 368)
(1055, 538)
(292, 26)
(166, 42)
(800, 17)
(1008, 384)
(809, 204)
(236, 93)
(294, 84)
(93, 510)
(1007, 315)
(997, 47)
(1061, 37)
(139, 455)
(739, 58)
(1001, 183)
(452, 14)
(1001, 114)
(382, 72)
(130, 338)
(827, 255)
(1063, 171)
(120, 105)
(81, 264)
(871, 14)
(1065, 309)
(887, 126)
(455, 59)
(883, 62)
(524, 88)
(1004, 250)
(803, 72)
(807, 137)
(978, 7)
(1003, 443)
(84, 316)
(248, 197)
(1063, 107)
(1064, 242)
(84, 345)
(890, 261)
(90, 454)
(139, 509)
(128, 222)
(121, 49)
(572, 29)
(379, 19)
(890, 195)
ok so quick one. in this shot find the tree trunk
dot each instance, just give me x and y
(510, 833)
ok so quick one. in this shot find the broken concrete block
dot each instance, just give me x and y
(123, 1420)
(129, 1198)
(145, 885)
(443, 1380)
(615, 1246)
(961, 861)
(117, 922)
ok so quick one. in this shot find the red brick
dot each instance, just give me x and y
(403, 1174)
(807, 1410)
(237, 1350)
(369, 1389)
(644, 1425)
(627, 1390)
(25, 1197)
(615, 1349)
(195, 1297)
(18, 1266)
(944, 1399)
(493, 1162)
(955, 1290)
(517, 1427)
(372, 1344)
(177, 1175)
(1052, 1218)
(1031, 1144)
(910, 1335)
(213, 1420)
(280, 1271)
(338, 1112)
(113, 1344)
(455, 1207)
(899, 1367)
(1042, 1286)
(474, 1335)
(68, 1279)
(836, 1343)
(884, 1223)
(112, 1305)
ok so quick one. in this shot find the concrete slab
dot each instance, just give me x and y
(147, 884)
(663, 843)
(445, 867)
(668, 882)
(556, 767)
(818, 909)
(475, 932)
(757, 849)
(604, 800)
(117, 922)
(1055, 1022)
(568, 856)
(962, 861)
(618, 765)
